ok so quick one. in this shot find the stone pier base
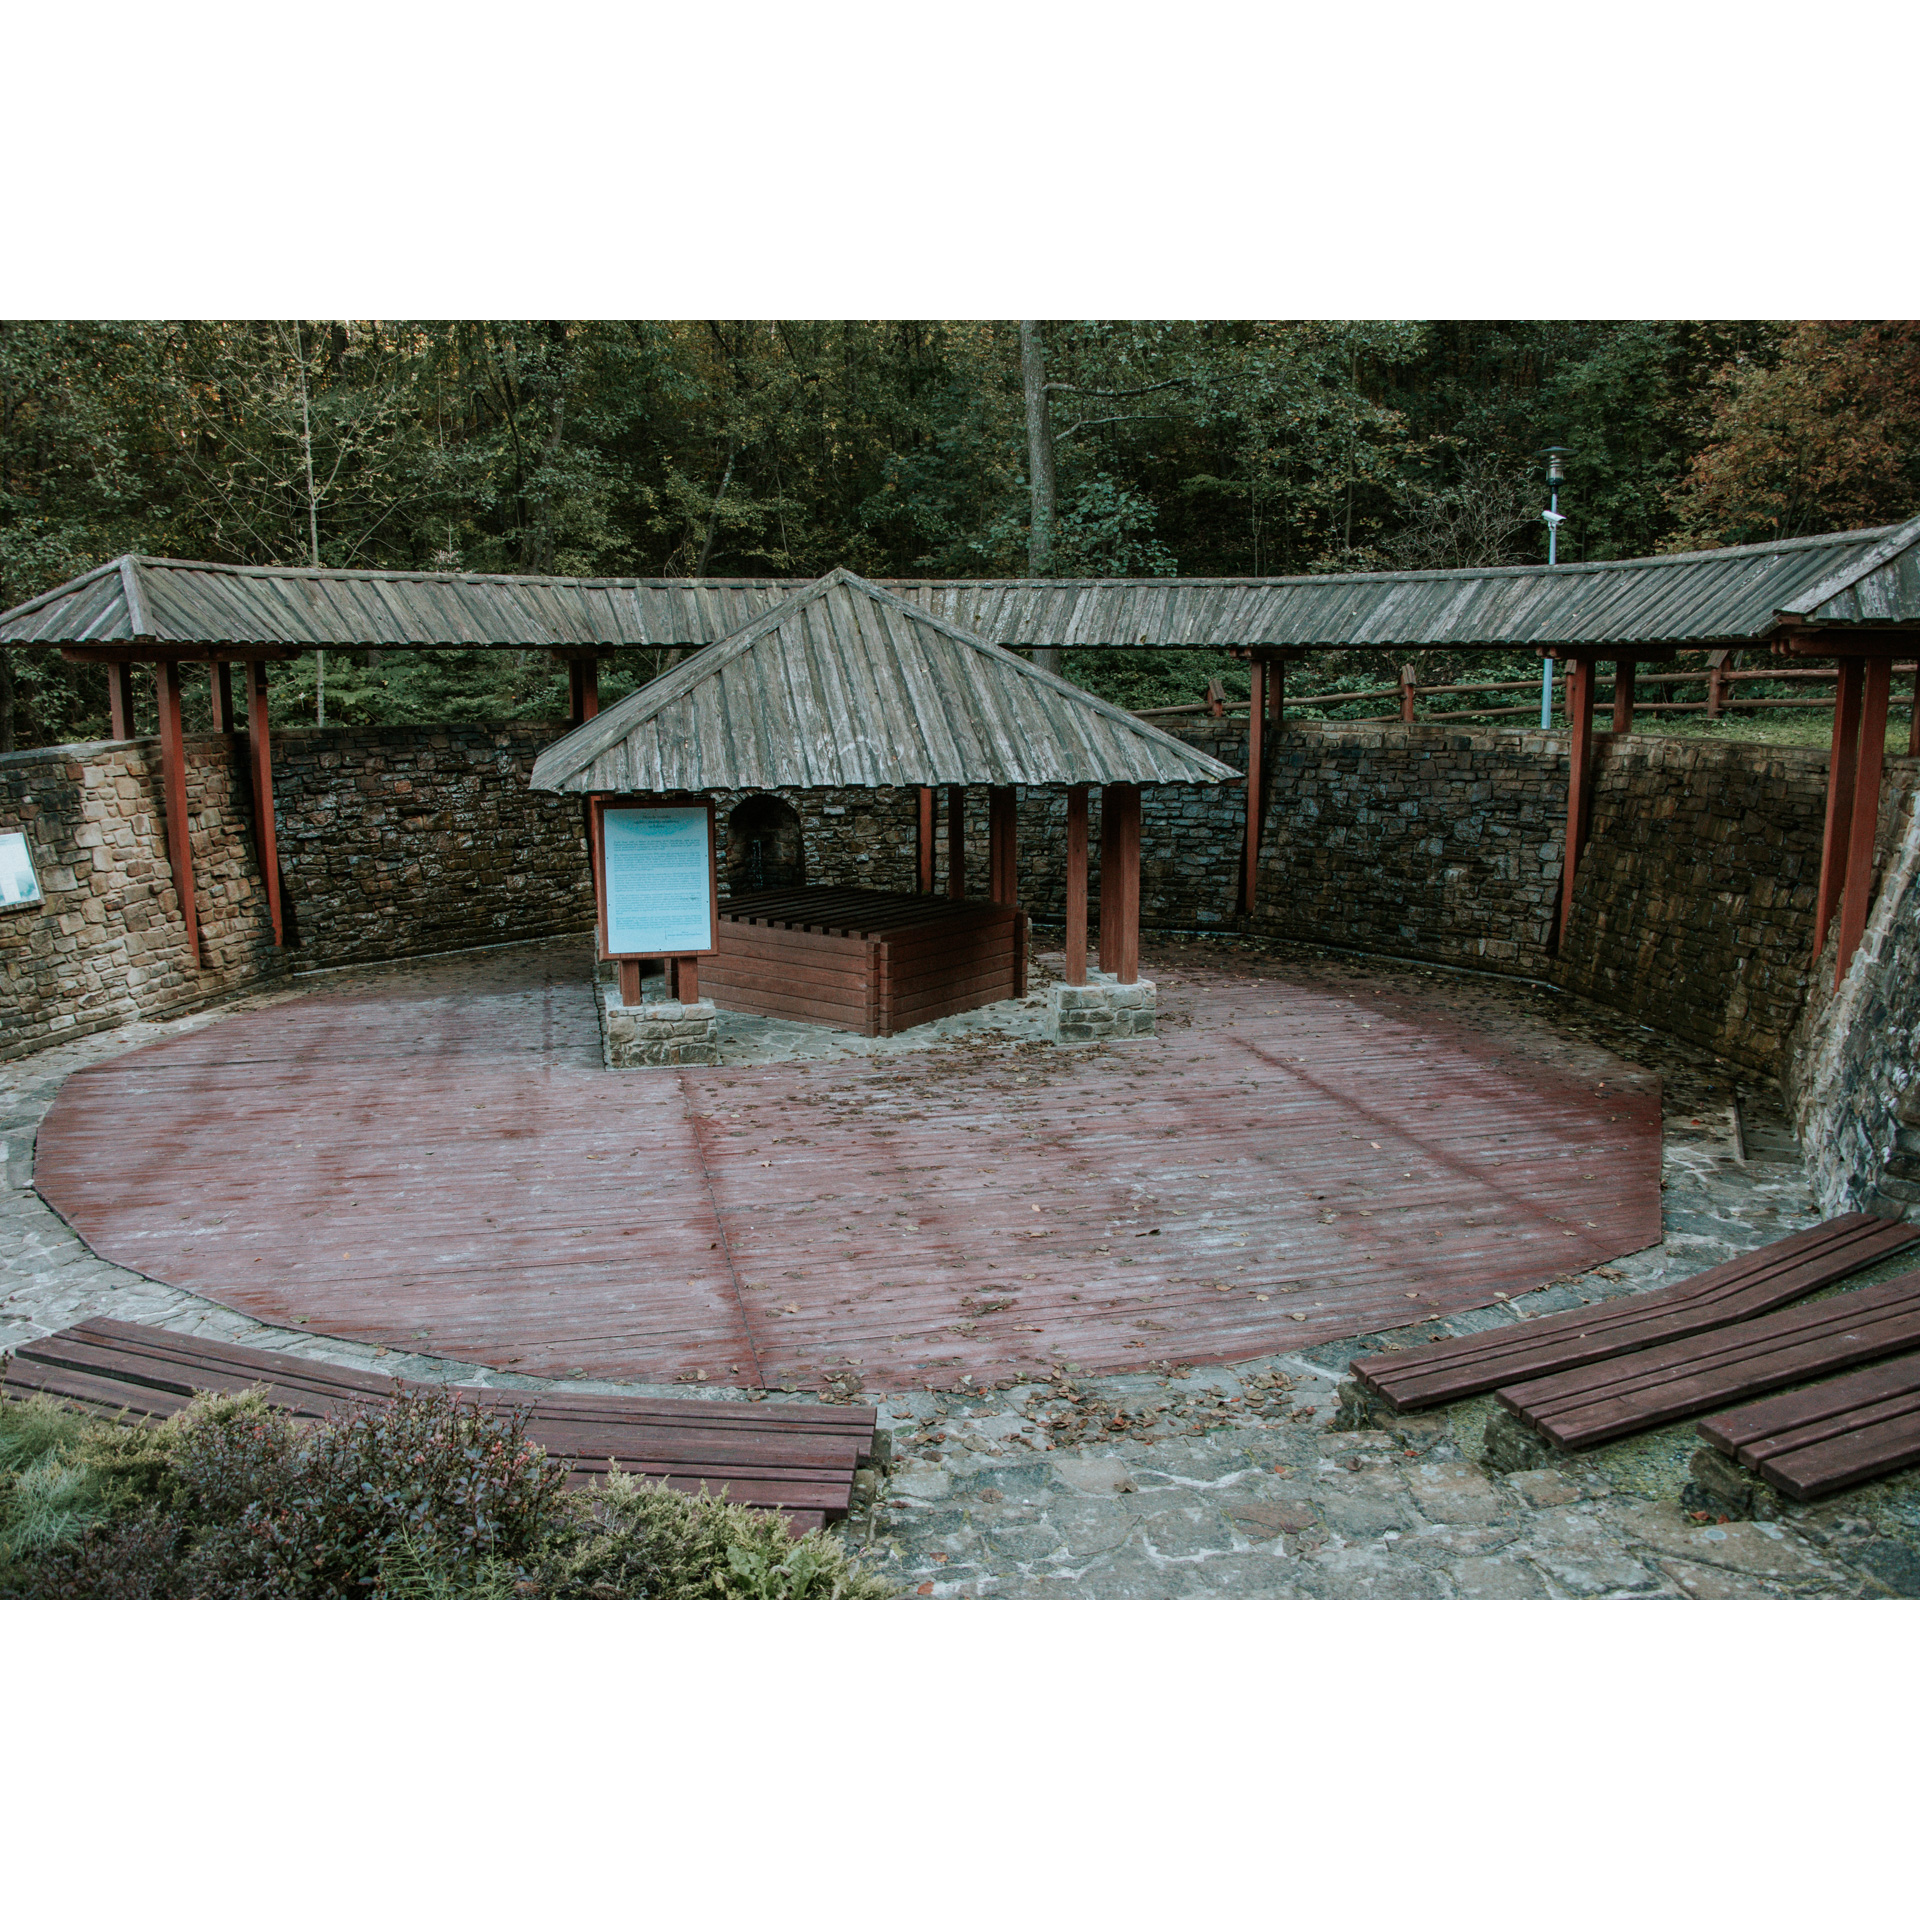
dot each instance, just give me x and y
(657, 1033)
(1101, 1010)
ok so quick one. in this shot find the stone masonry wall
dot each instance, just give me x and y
(108, 944)
(1853, 1068)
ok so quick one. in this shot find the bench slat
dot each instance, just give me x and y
(1725, 1295)
(1832, 1435)
(1589, 1405)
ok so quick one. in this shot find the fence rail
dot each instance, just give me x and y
(1718, 680)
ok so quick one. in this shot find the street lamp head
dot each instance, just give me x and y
(1555, 471)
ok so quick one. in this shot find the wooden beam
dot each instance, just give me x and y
(1120, 882)
(1256, 752)
(956, 843)
(1842, 764)
(1623, 669)
(1857, 891)
(589, 686)
(1276, 694)
(1002, 848)
(684, 985)
(173, 781)
(923, 846)
(120, 699)
(1076, 886)
(630, 983)
(220, 695)
(260, 761)
(1579, 778)
(1111, 893)
(1409, 680)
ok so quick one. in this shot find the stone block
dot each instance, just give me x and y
(658, 1033)
(1103, 1009)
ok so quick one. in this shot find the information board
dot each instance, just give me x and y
(19, 886)
(657, 864)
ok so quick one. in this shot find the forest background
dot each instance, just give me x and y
(931, 449)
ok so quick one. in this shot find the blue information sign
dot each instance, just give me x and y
(659, 880)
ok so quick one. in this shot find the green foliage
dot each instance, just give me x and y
(782, 448)
(423, 1497)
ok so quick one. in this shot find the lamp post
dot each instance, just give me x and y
(1553, 516)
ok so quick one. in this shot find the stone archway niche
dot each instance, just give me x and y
(764, 848)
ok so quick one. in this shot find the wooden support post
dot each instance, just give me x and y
(589, 685)
(220, 695)
(173, 779)
(1623, 694)
(630, 983)
(1276, 694)
(253, 675)
(1076, 886)
(1003, 884)
(1842, 765)
(1409, 679)
(956, 843)
(1877, 684)
(1120, 883)
(1579, 679)
(1112, 894)
(923, 865)
(684, 985)
(1913, 716)
(120, 699)
(1216, 700)
(1256, 752)
(1717, 681)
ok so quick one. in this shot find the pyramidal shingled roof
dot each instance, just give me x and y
(847, 685)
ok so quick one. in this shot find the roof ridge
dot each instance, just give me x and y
(1895, 543)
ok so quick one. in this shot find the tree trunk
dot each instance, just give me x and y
(1042, 513)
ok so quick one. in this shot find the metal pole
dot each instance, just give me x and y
(1552, 518)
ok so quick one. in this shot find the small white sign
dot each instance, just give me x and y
(19, 887)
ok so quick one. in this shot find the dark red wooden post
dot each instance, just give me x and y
(956, 843)
(1877, 684)
(1913, 716)
(1076, 886)
(1842, 764)
(260, 758)
(1623, 694)
(1409, 679)
(120, 699)
(1579, 777)
(1002, 849)
(220, 696)
(173, 780)
(1256, 749)
(589, 685)
(923, 864)
(630, 987)
(685, 985)
(1120, 883)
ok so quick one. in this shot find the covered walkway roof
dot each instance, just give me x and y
(844, 684)
(1721, 596)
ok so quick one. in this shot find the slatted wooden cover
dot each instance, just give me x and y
(863, 960)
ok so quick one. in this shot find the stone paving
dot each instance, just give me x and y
(1210, 1482)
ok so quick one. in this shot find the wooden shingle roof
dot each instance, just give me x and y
(1721, 596)
(844, 684)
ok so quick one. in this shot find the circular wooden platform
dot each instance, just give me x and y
(439, 1162)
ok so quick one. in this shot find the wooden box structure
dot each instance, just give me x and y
(864, 961)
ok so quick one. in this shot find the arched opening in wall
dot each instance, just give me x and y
(763, 846)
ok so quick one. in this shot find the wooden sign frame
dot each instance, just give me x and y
(601, 808)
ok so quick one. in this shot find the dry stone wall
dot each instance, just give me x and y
(108, 944)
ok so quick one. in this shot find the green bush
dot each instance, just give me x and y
(423, 1497)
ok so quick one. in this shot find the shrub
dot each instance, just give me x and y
(422, 1497)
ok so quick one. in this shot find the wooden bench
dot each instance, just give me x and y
(1589, 1405)
(798, 1459)
(1822, 1438)
(1734, 1291)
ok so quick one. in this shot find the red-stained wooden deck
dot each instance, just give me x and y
(440, 1163)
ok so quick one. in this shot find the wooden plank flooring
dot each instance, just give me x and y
(441, 1164)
